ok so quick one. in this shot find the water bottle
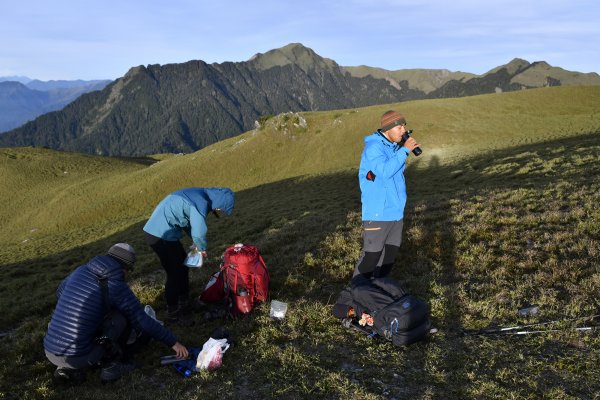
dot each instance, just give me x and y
(417, 150)
(242, 302)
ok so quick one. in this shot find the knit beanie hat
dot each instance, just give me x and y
(390, 119)
(124, 253)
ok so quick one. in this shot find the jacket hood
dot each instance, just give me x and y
(221, 198)
(106, 267)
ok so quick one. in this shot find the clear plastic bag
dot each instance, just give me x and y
(211, 356)
(194, 259)
(278, 309)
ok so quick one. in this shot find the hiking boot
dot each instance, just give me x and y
(180, 320)
(191, 306)
(115, 370)
(216, 313)
(221, 333)
(176, 317)
(74, 376)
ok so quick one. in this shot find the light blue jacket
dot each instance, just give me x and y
(384, 197)
(185, 211)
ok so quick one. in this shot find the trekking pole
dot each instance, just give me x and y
(584, 328)
(510, 329)
(171, 359)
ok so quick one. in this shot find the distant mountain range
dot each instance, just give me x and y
(23, 99)
(185, 107)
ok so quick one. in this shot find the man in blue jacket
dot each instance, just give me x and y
(97, 319)
(183, 211)
(383, 194)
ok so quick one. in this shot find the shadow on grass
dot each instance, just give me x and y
(283, 219)
(288, 220)
(427, 262)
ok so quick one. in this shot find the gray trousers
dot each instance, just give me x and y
(381, 242)
(115, 328)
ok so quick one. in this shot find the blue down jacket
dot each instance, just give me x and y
(383, 197)
(185, 211)
(80, 309)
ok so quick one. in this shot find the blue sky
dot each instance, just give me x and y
(84, 39)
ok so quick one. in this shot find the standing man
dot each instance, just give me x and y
(383, 194)
(183, 211)
(98, 320)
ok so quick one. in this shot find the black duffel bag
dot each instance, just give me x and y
(397, 316)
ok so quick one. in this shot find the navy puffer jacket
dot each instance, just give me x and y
(80, 310)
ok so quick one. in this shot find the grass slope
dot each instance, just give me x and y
(78, 206)
(497, 218)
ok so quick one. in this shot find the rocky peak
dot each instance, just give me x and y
(541, 64)
(294, 53)
(514, 67)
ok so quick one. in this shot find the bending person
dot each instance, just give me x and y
(183, 211)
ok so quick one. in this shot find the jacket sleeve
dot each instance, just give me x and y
(198, 229)
(123, 299)
(383, 166)
(61, 287)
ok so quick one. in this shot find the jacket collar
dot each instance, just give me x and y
(387, 141)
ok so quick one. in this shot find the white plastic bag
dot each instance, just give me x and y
(211, 356)
(150, 311)
(194, 259)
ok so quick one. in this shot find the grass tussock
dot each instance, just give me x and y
(484, 235)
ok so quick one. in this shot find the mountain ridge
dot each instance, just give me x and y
(185, 107)
(23, 99)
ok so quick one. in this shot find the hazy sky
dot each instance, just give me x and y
(85, 39)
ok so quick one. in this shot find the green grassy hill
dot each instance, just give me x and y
(502, 212)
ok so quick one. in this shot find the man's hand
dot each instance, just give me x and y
(411, 143)
(180, 350)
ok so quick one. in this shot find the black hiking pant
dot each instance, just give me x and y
(171, 256)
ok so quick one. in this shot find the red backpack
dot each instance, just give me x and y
(243, 279)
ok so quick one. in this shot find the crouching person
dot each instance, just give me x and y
(98, 321)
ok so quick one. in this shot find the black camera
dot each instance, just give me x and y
(417, 150)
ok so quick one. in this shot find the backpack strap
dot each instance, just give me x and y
(266, 271)
(103, 282)
(263, 264)
(104, 340)
(228, 287)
